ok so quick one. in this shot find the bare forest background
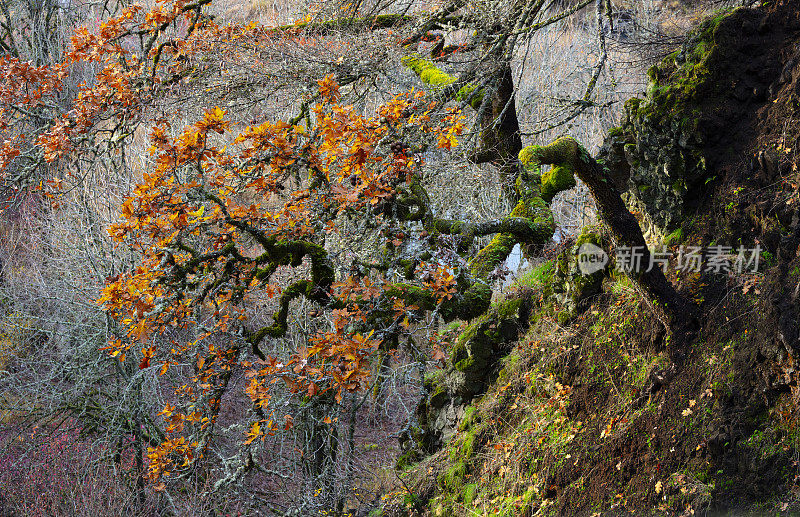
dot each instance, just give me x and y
(76, 423)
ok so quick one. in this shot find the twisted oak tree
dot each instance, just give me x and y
(535, 188)
(207, 255)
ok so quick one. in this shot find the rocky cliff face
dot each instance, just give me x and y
(657, 163)
(699, 113)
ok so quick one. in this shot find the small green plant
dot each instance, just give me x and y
(536, 276)
(674, 238)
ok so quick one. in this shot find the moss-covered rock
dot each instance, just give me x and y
(476, 357)
(472, 366)
(572, 286)
(659, 153)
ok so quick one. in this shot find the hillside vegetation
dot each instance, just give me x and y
(579, 409)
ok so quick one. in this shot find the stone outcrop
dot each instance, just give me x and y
(666, 152)
(476, 355)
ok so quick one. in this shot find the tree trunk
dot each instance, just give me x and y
(675, 312)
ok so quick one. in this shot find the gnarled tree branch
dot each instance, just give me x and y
(568, 158)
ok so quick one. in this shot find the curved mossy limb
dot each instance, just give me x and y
(475, 354)
(675, 312)
(542, 226)
(561, 155)
(316, 289)
(530, 222)
(535, 191)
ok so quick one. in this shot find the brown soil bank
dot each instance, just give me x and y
(586, 415)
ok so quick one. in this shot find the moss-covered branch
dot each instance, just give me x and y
(540, 228)
(317, 289)
(351, 24)
(276, 252)
(530, 222)
(432, 75)
(469, 302)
